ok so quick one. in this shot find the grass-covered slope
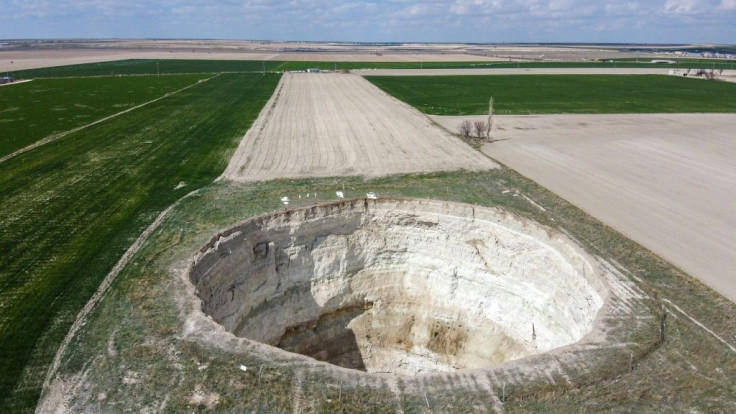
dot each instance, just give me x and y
(134, 353)
(34, 110)
(69, 209)
(555, 94)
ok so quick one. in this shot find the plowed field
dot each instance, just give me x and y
(664, 180)
(320, 125)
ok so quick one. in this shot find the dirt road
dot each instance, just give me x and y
(666, 181)
(320, 125)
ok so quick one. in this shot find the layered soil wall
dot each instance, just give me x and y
(400, 286)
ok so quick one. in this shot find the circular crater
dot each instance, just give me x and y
(403, 287)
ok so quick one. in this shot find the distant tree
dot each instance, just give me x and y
(466, 127)
(490, 119)
(710, 75)
(480, 129)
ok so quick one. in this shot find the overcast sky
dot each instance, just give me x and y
(650, 21)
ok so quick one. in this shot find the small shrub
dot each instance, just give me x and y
(466, 127)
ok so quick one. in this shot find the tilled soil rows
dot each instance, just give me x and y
(330, 124)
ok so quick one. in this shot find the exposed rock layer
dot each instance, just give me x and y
(400, 286)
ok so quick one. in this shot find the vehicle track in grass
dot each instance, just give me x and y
(54, 137)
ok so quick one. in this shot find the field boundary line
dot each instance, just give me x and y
(103, 289)
(695, 321)
(16, 82)
(236, 164)
(53, 138)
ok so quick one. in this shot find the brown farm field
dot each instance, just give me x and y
(665, 181)
(322, 125)
(21, 59)
(23, 55)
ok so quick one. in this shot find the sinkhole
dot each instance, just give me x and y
(399, 286)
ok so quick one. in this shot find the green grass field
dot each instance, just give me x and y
(143, 66)
(456, 65)
(34, 110)
(557, 94)
(695, 63)
(70, 208)
(169, 66)
(149, 67)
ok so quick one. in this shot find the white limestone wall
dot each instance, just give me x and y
(445, 286)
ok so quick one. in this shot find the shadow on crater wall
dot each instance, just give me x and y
(327, 339)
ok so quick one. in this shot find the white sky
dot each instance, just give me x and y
(653, 21)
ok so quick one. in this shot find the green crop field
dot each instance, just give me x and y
(143, 66)
(149, 67)
(174, 66)
(35, 110)
(555, 94)
(684, 63)
(70, 208)
(456, 65)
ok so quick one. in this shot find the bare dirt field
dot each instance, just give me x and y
(666, 181)
(38, 55)
(21, 60)
(321, 125)
(42, 53)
